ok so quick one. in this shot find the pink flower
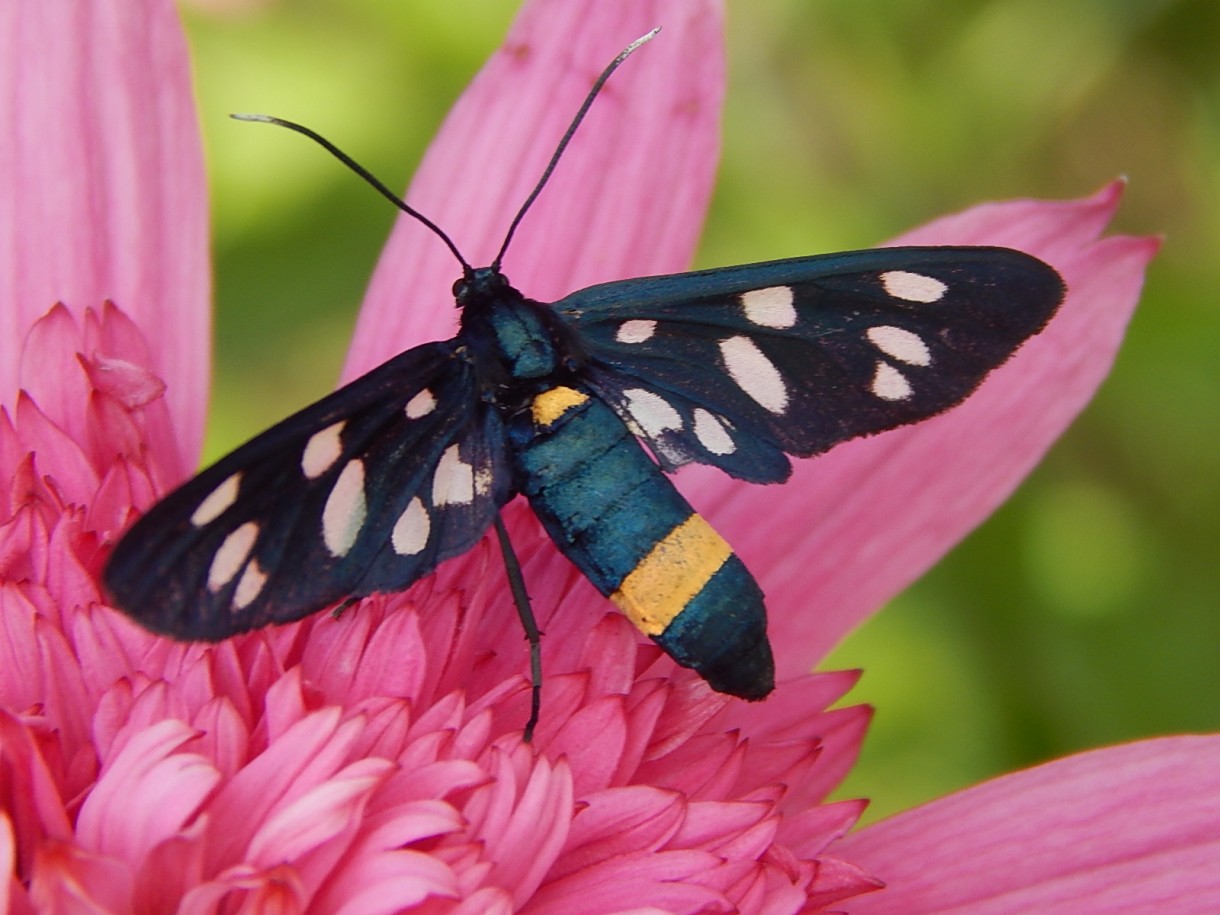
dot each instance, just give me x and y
(374, 764)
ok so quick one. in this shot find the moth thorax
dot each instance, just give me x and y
(525, 343)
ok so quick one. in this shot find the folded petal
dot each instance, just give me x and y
(146, 794)
(1134, 828)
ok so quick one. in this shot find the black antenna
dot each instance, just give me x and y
(385, 192)
(567, 137)
(363, 173)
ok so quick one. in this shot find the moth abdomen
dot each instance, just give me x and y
(617, 517)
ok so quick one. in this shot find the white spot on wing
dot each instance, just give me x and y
(453, 482)
(770, 307)
(250, 584)
(901, 344)
(421, 404)
(754, 373)
(411, 529)
(217, 501)
(890, 384)
(345, 510)
(232, 554)
(913, 287)
(482, 480)
(322, 450)
(651, 412)
(635, 331)
(712, 434)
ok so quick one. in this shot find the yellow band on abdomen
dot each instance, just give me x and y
(669, 577)
(552, 404)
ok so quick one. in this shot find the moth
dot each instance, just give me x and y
(581, 406)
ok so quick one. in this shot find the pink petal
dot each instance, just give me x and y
(66, 697)
(528, 842)
(103, 191)
(628, 198)
(69, 581)
(729, 829)
(115, 354)
(348, 663)
(488, 901)
(392, 882)
(245, 890)
(706, 766)
(620, 821)
(838, 880)
(225, 735)
(381, 872)
(1134, 828)
(146, 794)
(13, 900)
(33, 803)
(320, 815)
(842, 732)
(860, 523)
(807, 831)
(127, 383)
(74, 476)
(401, 825)
(308, 753)
(169, 871)
(52, 343)
(592, 740)
(66, 878)
(20, 666)
(655, 882)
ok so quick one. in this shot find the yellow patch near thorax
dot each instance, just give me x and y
(669, 577)
(551, 405)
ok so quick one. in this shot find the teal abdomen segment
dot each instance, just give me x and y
(617, 517)
(722, 634)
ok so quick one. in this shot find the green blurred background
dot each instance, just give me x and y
(1087, 610)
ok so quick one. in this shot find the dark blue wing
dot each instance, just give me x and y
(364, 491)
(735, 366)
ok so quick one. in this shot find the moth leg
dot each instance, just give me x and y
(342, 608)
(516, 583)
